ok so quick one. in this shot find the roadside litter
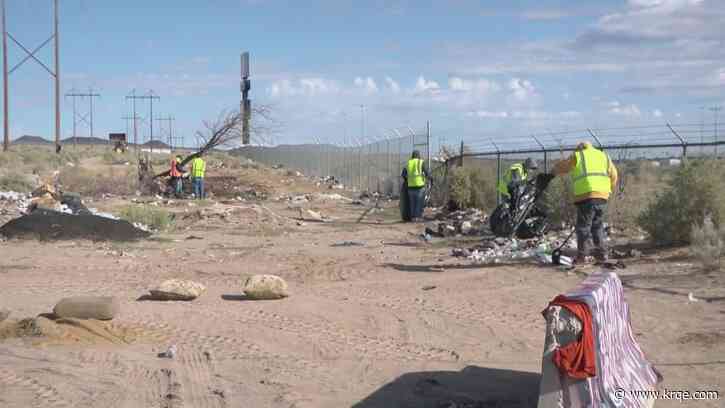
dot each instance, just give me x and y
(347, 244)
(169, 353)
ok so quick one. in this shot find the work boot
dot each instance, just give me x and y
(583, 260)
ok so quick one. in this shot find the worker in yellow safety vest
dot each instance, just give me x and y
(515, 177)
(415, 174)
(198, 171)
(594, 177)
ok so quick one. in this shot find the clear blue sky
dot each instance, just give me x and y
(470, 67)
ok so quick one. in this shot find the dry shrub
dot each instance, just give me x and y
(16, 182)
(93, 183)
(638, 184)
(694, 191)
(157, 218)
(558, 200)
(470, 188)
(708, 244)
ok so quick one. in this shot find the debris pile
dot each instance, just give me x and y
(49, 214)
(505, 250)
(470, 222)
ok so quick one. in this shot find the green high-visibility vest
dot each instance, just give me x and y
(198, 168)
(416, 178)
(591, 173)
(504, 182)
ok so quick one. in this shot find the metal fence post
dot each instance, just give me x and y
(684, 144)
(498, 177)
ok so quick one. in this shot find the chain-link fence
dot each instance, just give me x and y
(372, 164)
(660, 145)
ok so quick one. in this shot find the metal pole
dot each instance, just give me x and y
(427, 140)
(498, 177)
(6, 126)
(151, 121)
(91, 113)
(57, 80)
(135, 128)
(75, 135)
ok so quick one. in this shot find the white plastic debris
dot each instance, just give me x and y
(691, 298)
(169, 353)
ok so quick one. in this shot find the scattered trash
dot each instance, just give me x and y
(347, 244)
(192, 237)
(430, 287)
(48, 225)
(631, 253)
(169, 353)
(691, 298)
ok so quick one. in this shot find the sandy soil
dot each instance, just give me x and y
(359, 329)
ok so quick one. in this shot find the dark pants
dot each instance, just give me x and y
(198, 183)
(415, 200)
(590, 226)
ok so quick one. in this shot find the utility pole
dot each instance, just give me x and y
(170, 130)
(716, 111)
(76, 118)
(150, 97)
(245, 105)
(31, 55)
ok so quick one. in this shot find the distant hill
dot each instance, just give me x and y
(31, 140)
(84, 141)
(156, 144)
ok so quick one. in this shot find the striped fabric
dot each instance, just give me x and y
(621, 364)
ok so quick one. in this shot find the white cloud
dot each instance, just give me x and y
(617, 108)
(302, 87)
(368, 84)
(657, 113)
(488, 114)
(522, 89)
(423, 86)
(392, 85)
(481, 86)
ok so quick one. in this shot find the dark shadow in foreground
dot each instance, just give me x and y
(472, 387)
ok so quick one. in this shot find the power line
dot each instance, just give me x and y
(76, 118)
(55, 73)
(150, 97)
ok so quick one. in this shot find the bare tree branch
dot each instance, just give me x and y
(226, 131)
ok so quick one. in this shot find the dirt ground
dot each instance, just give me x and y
(396, 322)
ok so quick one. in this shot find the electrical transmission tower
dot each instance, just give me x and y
(31, 55)
(88, 117)
(169, 130)
(150, 97)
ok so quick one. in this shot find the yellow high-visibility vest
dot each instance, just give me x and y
(416, 178)
(591, 173)
(198, 168)
(504, 182)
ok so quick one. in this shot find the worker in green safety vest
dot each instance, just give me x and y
(416, 175)
(594, 177)
(198, 171)
(515, 177)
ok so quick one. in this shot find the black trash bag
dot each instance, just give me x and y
(404, 203)
(522, 216)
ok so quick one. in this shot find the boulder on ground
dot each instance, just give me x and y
(4, 313)
(177, 289)
(264, 287)
(88, 307)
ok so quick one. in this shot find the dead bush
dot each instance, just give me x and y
(693, 192)
(154, 217)
(94, 183)
(708, 244)
(16, 182)
(558, 201)
(470, 188)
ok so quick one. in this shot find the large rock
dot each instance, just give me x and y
(88, 307)
(263, 287)
(177, 289)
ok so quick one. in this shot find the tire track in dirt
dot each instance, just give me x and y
(199, 390)
(43, 395)
(220, 347)
(339, 339)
